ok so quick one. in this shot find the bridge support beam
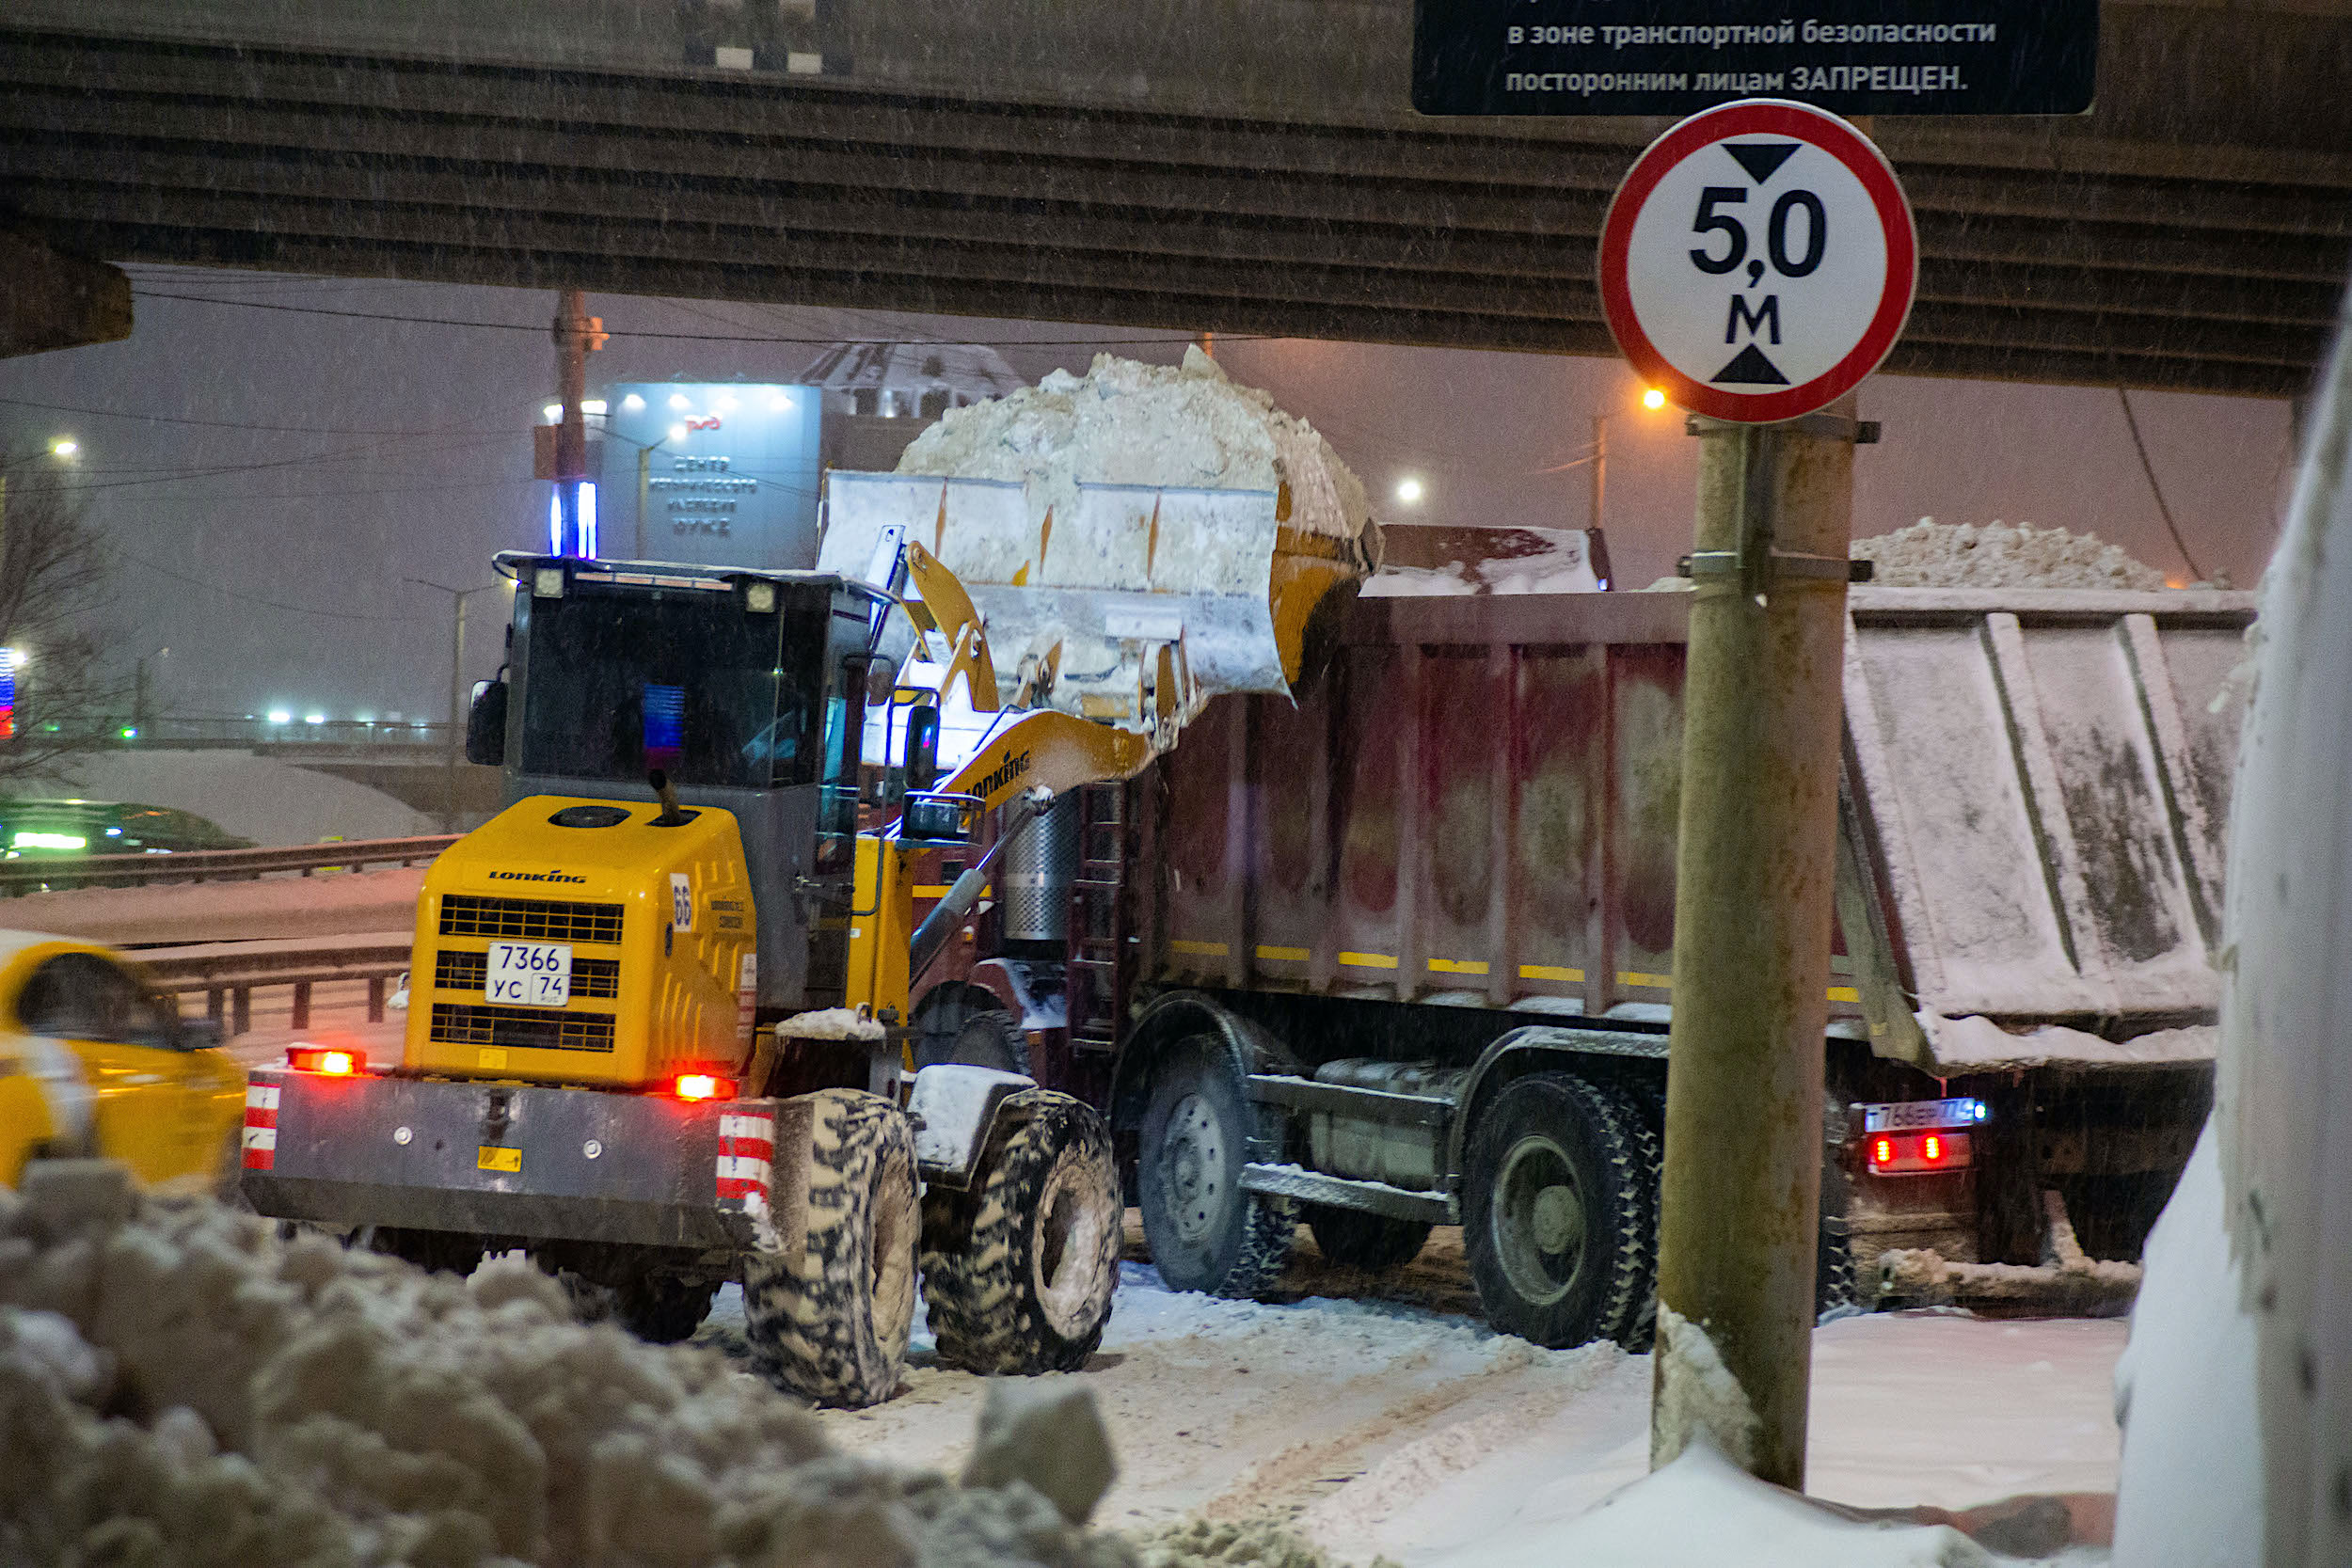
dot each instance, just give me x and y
(55, 301)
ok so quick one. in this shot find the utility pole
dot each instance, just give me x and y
(1600, 465)
(457, 705)
(576, 333)
(1754, 877)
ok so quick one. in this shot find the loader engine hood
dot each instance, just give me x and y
(579, 940)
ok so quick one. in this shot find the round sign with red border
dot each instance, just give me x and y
(1759, 260)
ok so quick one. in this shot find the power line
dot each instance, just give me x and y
(221, 424)
(255, 598)
(2197, 572)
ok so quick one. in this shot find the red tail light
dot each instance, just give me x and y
(1920, 1153)
(702, 1085)
(333, 1060)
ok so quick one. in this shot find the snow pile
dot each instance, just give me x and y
(1703, 1511)
(1930, 554)
(1124, 423)
(179, 1386)
(2191, 1493)
(270, 800)
(1252, 1543)
(830, 1023)
(1698, 1397)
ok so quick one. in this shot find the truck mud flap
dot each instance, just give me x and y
(519, 1160)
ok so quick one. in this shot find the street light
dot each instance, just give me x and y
(1408, 492)
(1652, 400)
(457, 597)
(65, 446)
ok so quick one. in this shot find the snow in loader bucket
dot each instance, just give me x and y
(1131, 570)
(503, 1159)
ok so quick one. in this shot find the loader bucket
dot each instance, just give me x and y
(1134, 606)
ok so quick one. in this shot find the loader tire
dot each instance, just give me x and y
(830, 1311)
(660, 1309)
(1558, 1212)
(1019, 1269)
(1373, 1243)
(434, 1251)
(1204, 1231)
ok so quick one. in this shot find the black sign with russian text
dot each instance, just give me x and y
(1675, 57)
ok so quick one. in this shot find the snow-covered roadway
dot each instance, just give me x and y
(1385, 1427)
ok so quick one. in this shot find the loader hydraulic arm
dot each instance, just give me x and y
(931, 937)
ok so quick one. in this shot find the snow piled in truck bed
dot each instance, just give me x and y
(1124, 423)
(1930, 554)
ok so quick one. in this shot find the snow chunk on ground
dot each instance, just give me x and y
(1703, 1511)
(1930, 554)
(1124, 423)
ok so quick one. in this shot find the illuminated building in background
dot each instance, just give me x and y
(9, 659)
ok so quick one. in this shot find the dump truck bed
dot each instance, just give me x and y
(1476, 802)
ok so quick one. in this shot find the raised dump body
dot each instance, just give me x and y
(1450, 864)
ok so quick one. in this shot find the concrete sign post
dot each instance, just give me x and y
(1757, 263)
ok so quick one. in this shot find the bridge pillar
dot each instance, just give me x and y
(55, 301)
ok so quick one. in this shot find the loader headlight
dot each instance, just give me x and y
(760, 598)
(547, 582)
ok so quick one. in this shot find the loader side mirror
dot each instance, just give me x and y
(922, 748)
(485, 724)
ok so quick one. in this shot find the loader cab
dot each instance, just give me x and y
(748, 688)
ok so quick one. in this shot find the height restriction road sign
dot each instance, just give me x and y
(1759, 260)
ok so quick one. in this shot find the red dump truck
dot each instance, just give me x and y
(1400, 954)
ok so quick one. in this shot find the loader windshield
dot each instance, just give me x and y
(681, 679)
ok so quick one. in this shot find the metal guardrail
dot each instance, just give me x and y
(227, 972)
(212, 865)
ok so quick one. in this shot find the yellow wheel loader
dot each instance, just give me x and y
(658, 1030)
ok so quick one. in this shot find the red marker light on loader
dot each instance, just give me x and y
(702, 1085)
(332, 1061)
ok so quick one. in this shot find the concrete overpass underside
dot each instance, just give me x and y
(1239, 168)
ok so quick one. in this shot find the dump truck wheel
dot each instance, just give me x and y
(661, 1309)
(1558, 1212)
(1373, 1243)
(1642, 1112)
(831, 1311)
(1205, 1233)
(1019, 1269)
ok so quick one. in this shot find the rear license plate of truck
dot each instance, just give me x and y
(1905, 1115)
(529, 973)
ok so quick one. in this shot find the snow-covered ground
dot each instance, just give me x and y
(267, 799)
(1385, 1428)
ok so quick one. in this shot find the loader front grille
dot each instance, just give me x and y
(527, 1028)
(456, 971)
(464, 914)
